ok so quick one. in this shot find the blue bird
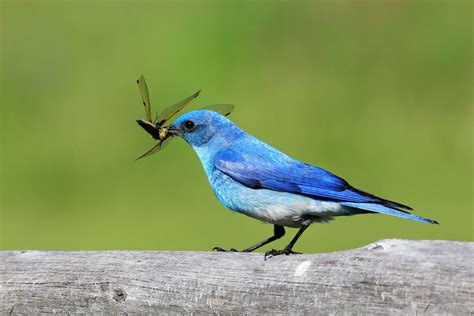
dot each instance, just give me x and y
(251, 177)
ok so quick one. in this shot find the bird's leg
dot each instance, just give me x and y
(288, 249)
(278, 232)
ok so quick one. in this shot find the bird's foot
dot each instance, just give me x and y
(286, 251)
(219, 249)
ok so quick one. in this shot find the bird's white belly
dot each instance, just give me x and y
(281, 208)
(293, 214)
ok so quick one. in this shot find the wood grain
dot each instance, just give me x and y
(388, 277)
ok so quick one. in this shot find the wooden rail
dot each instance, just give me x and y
(387, 277)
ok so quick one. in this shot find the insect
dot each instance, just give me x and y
(156, 128)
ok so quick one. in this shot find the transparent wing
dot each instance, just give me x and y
(224, 109)
(156, 148)
(145, 97)
(169, 112)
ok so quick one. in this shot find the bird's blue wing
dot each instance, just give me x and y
(270, 169)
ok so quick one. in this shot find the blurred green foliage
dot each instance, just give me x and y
(379, 92)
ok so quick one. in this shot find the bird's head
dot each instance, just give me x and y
(204, 128)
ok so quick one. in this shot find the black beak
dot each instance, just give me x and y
(174, 131)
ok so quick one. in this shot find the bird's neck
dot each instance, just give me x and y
(218, 143)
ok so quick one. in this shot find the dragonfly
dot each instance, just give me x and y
(158, 127)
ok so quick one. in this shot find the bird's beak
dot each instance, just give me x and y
(174, 131)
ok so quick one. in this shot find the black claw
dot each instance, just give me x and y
(273, 253)
(291, 252)
(219, 249)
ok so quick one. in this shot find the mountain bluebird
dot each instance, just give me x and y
(251, 177)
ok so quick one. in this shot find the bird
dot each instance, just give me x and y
(250, 177)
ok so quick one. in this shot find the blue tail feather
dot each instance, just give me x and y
(378, 208)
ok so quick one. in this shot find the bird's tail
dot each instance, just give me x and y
(378, 208)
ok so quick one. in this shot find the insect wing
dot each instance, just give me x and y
(145, 97)
(156, 148)
(169, 112)
(224, 109)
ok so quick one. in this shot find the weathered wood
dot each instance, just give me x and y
(388, 277)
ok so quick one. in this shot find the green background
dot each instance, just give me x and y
(378, 92)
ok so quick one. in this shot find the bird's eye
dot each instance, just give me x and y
(189, 125)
